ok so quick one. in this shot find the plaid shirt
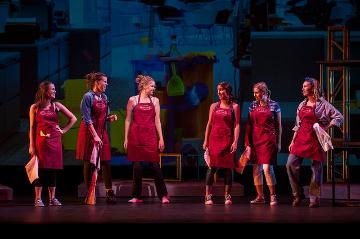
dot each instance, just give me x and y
(273, 105)
(325, 112)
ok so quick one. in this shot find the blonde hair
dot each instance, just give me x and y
(263, 88)
(318, 92)
(92, 77)
(143, 81)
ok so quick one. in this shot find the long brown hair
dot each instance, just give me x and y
(225, 85)
(262, 86)
(143, 81)
(92, 77)
(318, 92)
(42, 94)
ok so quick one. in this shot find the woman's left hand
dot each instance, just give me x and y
(279, 148)
(59, 129)
(233, 147)
(112, 118)
(161, 145)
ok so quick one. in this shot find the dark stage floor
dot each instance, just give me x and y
(180, 210)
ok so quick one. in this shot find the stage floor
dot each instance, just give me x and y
(180, 210)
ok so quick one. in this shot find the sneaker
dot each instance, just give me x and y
(228, 199)
(315, 204)
(208, 200)
(39, 203)
(273, 200)
(55, 202)
(258, 200)
(296, 202)
(135, 200)
(110, 197)
(165, 200)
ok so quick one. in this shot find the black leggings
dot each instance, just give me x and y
(158, 176)
(47, 177)
(227, 176)
(106, 173)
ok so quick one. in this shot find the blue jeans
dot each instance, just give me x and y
(293, 169)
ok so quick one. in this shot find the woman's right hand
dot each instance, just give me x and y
(205, 145)
(290, 146)
(125, 144)
(31, 150)
(98, 141)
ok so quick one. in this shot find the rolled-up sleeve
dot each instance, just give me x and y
(297, 120)
(85, 107)
(335, 116)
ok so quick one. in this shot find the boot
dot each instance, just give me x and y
(110, 197)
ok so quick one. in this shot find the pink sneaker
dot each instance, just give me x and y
(135, 200)
(258, 200)
(228, 200)
(273, 200)
(165, 200)
(208, 200)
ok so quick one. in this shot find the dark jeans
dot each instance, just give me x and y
(228, 177)
(158, 176)
(293, 166)
(47, 177)
(106, 173)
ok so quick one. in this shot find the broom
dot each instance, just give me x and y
(95, 164)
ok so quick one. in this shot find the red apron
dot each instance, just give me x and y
(142, 139)
(221, 138)
(48, 139)
(263, 136)
(85, 141)
(306, 144)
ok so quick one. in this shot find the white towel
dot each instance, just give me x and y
(32, 168)
(323, 137)
(94, 155)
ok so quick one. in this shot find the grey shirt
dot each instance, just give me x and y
(325, 112)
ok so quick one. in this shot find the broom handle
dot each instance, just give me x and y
(102, 134)
(173, 68)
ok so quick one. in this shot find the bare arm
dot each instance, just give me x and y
(248, 130)
(278, 130)
(208, 127)
(95, 136)
(32, 129)
(296, 127)
(292, 140)
(129, 109)
(158, 124)
(69, 115)
(236, 128)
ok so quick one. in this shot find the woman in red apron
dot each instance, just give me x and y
(221, 139)
(143, 145)
(93, 132)
(314, 109)
(45, 139)
(263, 136)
